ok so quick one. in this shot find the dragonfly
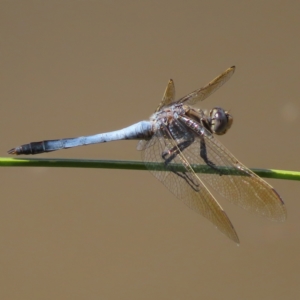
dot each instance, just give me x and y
(176, 139)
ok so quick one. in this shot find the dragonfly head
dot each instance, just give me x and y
(220, 120)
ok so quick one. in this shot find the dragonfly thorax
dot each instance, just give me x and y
(166, 115)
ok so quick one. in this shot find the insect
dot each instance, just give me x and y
(180, 137)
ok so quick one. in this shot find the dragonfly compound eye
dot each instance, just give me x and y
(220, 120)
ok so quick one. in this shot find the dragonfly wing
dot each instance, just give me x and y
(206, 91)
(169, 96)
(200, 199)
(142, 144)
(240, 186)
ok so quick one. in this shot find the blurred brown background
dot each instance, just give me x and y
(72, 68)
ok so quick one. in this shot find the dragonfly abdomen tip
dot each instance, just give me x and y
(13, 151)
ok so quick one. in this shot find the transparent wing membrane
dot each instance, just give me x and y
(240, 185)
(206, 91)
(200, 200)
(168, 97)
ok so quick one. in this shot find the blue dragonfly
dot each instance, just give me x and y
(181, 137)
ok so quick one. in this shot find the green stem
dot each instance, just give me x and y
(128, 165)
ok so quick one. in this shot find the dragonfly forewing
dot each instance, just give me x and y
(234, 181)
(206, 91)
(185, 184)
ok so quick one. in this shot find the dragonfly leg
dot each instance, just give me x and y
(173, 153)
(203, 154)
